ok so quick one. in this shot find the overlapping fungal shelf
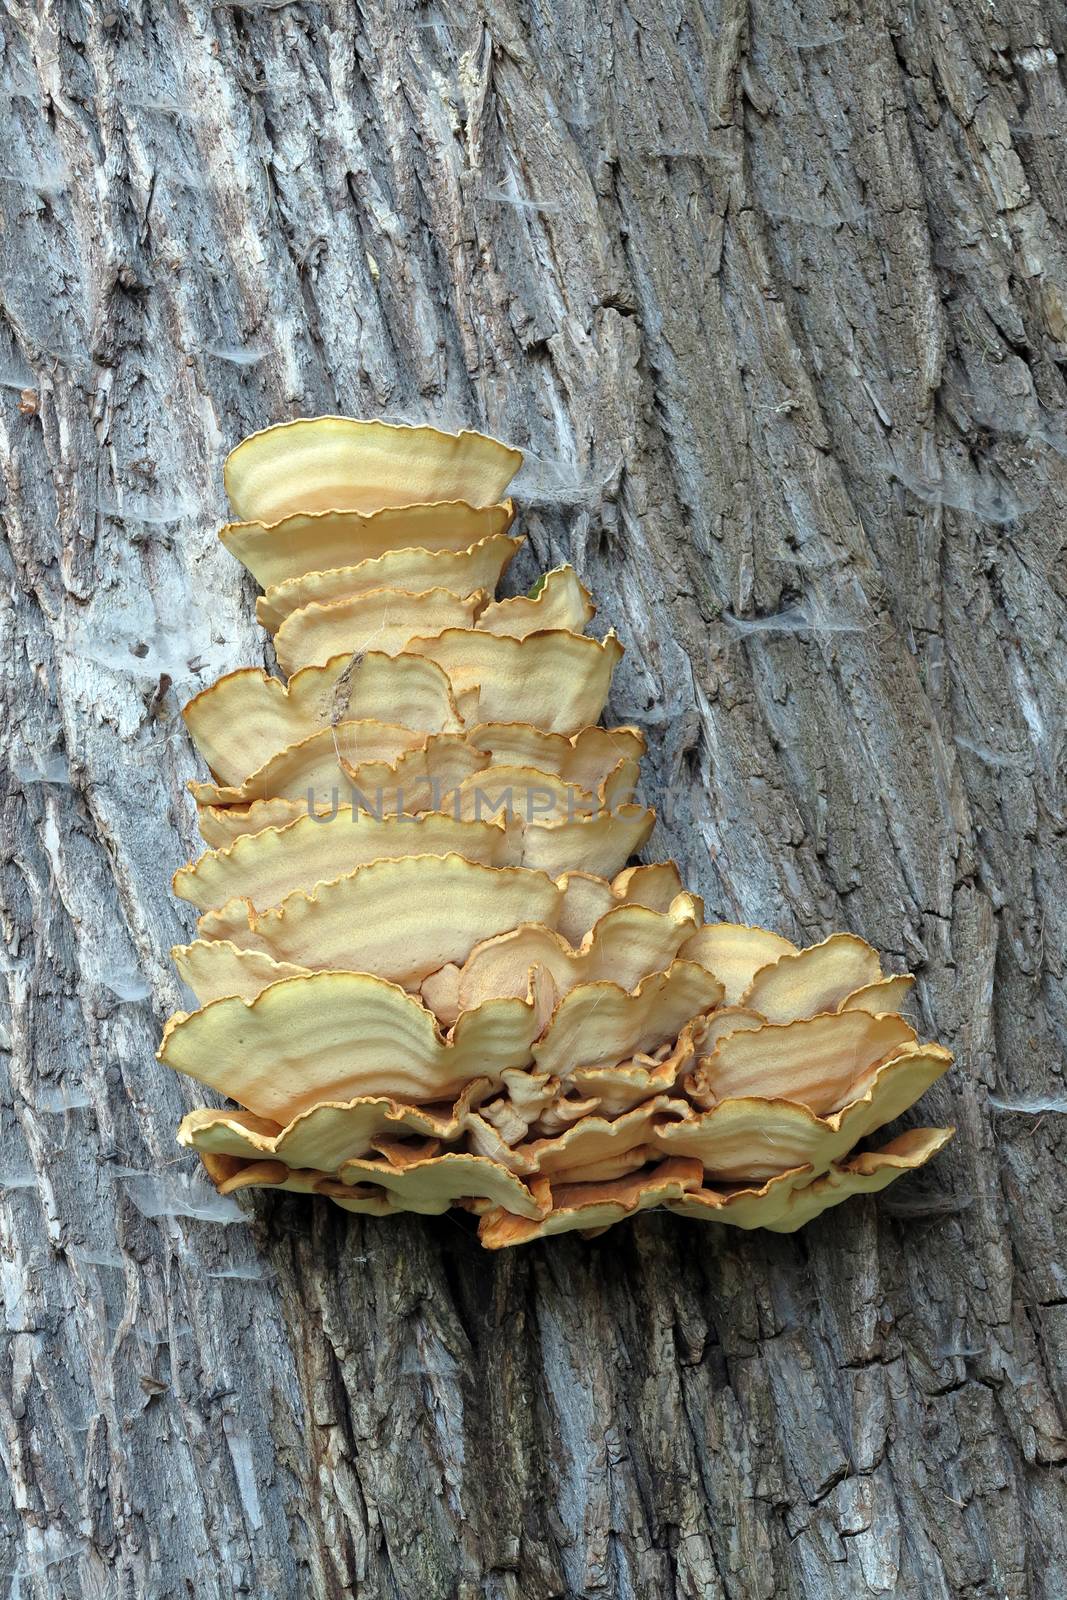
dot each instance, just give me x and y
(425, 974)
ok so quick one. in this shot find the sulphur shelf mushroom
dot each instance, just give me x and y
(425, 975)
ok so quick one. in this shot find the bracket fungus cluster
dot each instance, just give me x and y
(424, 971)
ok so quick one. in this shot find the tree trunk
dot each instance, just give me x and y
(777, 306)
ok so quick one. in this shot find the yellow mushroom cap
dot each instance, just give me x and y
(413, 571)
(338, 464)
(307, 543)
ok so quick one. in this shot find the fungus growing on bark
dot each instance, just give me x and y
(423, 970)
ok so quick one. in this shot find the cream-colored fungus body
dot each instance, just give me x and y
(423, 970)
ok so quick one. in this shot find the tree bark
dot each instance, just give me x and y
(776, 303)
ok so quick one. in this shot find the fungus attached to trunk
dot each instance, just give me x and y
(423, 970)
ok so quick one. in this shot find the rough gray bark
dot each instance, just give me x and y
(776, 301)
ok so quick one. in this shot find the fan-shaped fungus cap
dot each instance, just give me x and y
(336, 1035)
(337, 464)
(307, 543)
(246, 717)
(378, 619)
(460, 572)
(263, 868)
